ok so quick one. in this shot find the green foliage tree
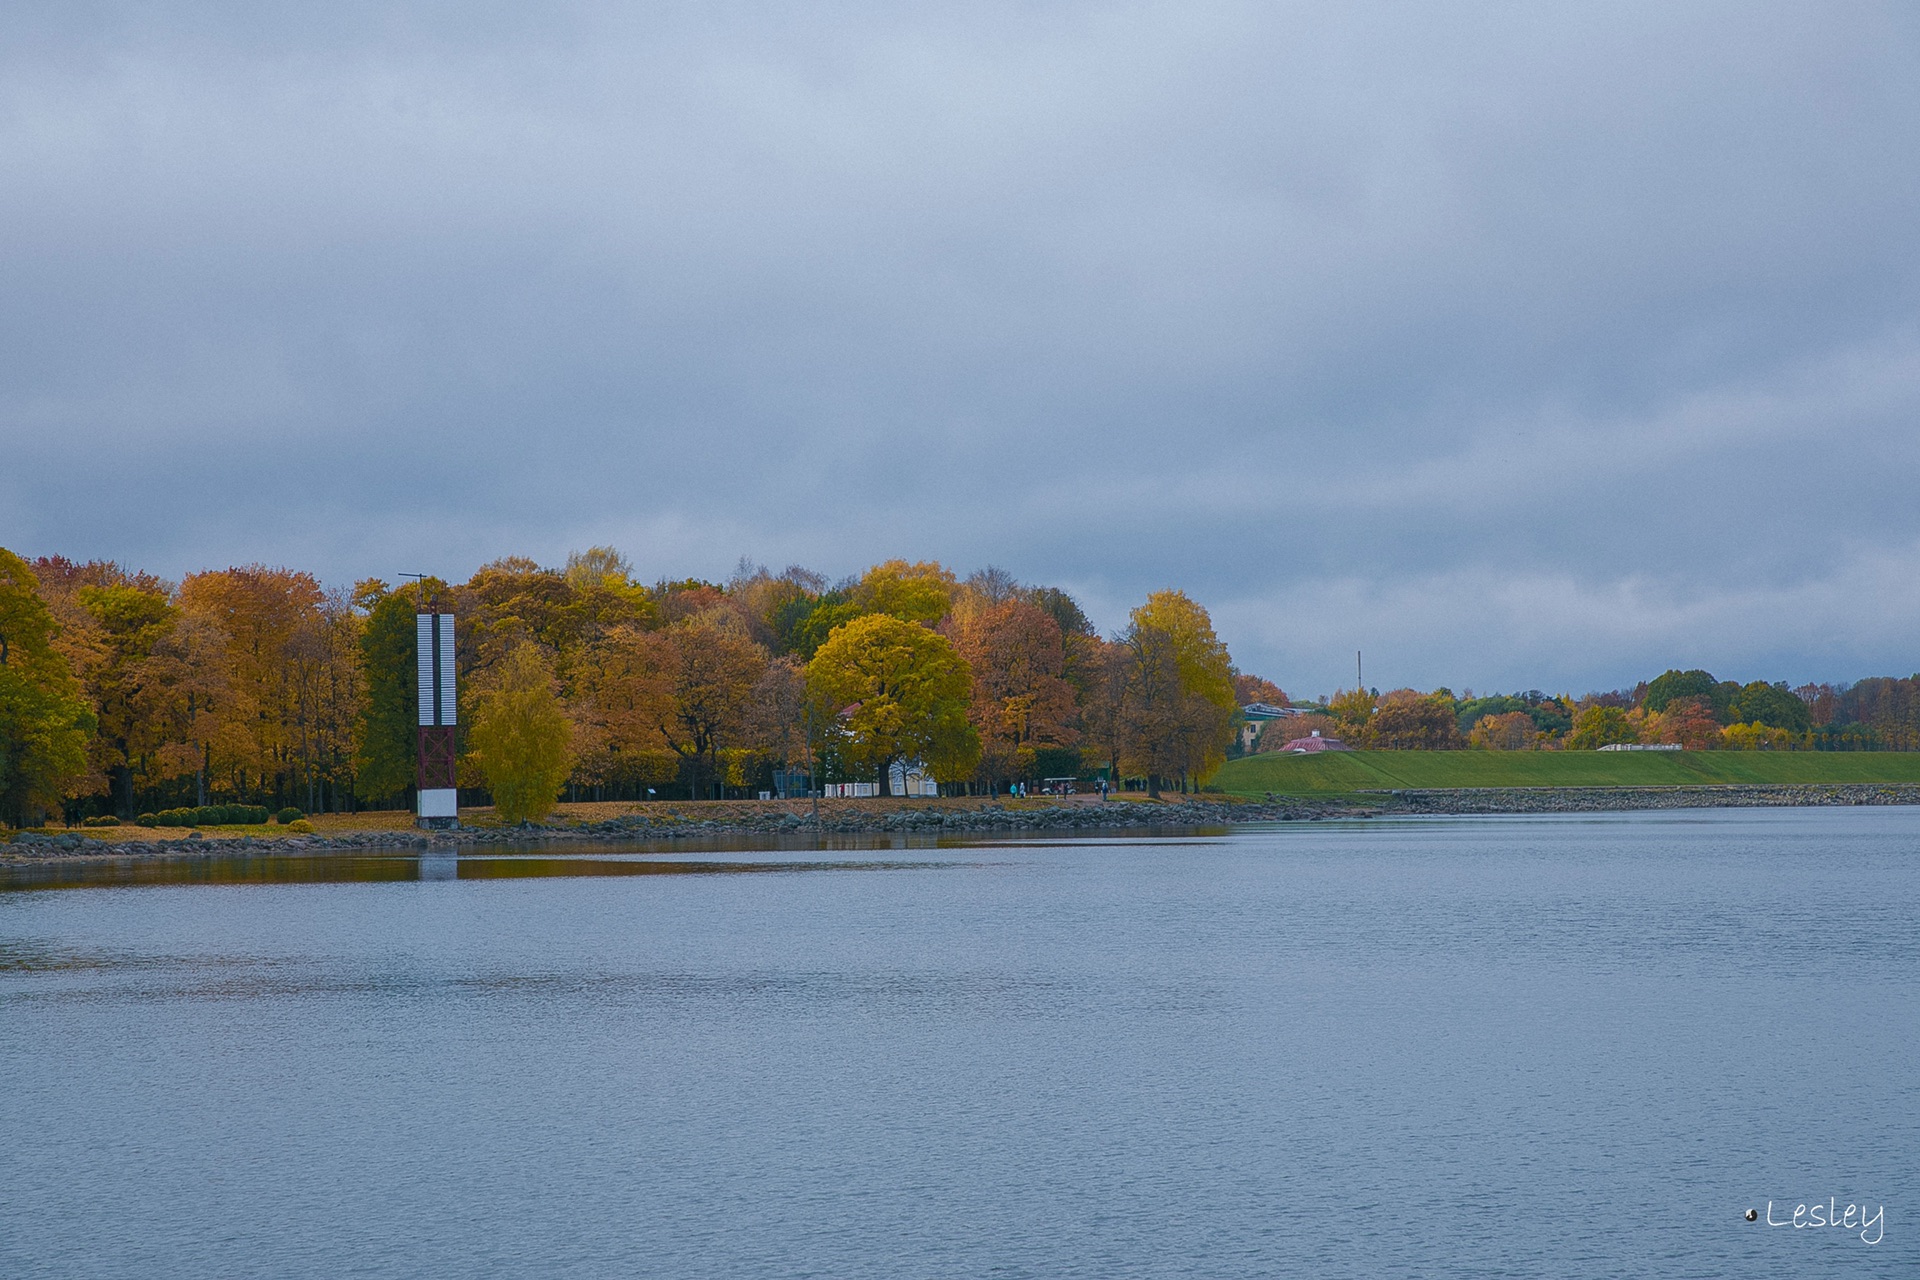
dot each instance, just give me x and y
(821, 617)
(1773, 705)
(389, 717)
(1669, 687)
(44, 722)
(522, 740)
(898, 692)
(1549, 715)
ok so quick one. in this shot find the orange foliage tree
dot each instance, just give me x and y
(1021, 699)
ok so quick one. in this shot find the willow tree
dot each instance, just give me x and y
(521, 739)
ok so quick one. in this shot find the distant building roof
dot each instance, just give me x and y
(1265, 711)
(1309, 745)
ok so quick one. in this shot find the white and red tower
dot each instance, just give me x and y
(439, 798)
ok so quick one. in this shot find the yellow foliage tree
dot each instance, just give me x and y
(522, 740)
(920, 592)
(1354, 709)
(44, 724)
(1508, 731)
(898, 692)
(1761, 737)
(1177, 710)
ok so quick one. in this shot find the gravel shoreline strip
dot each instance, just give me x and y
(1193, 814)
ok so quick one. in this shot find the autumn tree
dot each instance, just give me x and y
(1178, 707)
(714, 672)
(1505, 731)
(191, 705)
(260, 610)
(622, 695)
(521, 740)
(127, 622)
(1152, 736)
(920, 592)
(1688, 721)
(772, 605)
(1249, 689)
(44, 723)
(1411, 721)
(1354, 709)
(898, 693)
(598, 567)
(1278, 733)
(1760, 737)
(1886, 709)
(1104, 677)
(1601, 726)
(1021, 702)
(324, 669)
(777, 722)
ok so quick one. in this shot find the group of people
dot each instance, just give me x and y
(1060, 787)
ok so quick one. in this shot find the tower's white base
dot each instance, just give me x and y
(441, 802)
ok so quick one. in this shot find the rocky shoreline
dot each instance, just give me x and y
(1193, 814)
(996, 819)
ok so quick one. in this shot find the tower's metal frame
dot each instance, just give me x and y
(439, 797)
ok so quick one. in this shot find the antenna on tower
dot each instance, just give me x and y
(422, 578)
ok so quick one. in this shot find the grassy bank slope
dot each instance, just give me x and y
(1337, 771)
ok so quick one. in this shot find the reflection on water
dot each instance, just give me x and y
(514, 861)
(346, 868)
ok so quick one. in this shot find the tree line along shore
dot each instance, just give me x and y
(126, 698)
(133, 698)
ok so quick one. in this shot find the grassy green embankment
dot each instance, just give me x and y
(1333, 772)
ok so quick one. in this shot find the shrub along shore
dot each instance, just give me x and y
(663, 825)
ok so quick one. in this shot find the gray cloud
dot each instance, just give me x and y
(1517, 345)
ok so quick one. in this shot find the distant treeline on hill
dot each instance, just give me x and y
(1685, 708)
(122, 694)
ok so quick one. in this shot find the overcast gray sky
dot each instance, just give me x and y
(1518, 345)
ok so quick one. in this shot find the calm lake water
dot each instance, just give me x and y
(1494, 1047)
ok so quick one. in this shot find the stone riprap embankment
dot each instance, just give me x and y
(938, 820)
(1614, 799)
(642, 827)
